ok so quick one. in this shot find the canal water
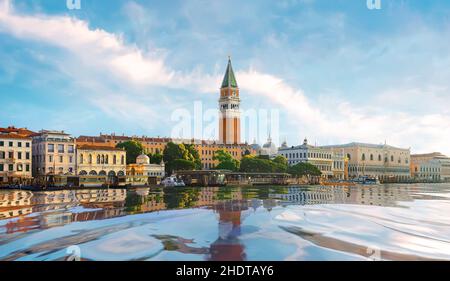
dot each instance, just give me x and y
(386, 222)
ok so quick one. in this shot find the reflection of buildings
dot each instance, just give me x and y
(15, 203)
(54, 208)
(370, 195)
(227, 247)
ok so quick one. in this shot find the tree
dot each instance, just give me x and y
(251, 164)
(183, 165)
(133, 150)
(226, 161)
(155, 158)
(304, 169)
(280, 164)
(174, 152)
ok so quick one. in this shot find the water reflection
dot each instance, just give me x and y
(239, 215)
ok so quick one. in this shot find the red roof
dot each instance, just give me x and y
(19, 131)
(98, 147)
(13, 136)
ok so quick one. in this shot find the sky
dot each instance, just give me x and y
(333, 71)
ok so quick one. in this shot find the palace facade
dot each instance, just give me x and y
(385, 162)
(101, 160)
(430, 167)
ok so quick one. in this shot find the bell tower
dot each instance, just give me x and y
(230, 115)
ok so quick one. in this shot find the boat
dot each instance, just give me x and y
(366, 180)
(172, 181)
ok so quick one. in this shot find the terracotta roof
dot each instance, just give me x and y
(20, 131)
(14, 136)
(98, 147)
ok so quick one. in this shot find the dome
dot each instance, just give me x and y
(143, 159)
(269, 148)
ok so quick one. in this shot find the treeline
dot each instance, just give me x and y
(186, 157)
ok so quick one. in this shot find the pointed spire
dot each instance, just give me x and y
(229, 80)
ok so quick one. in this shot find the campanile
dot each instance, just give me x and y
(230, 115)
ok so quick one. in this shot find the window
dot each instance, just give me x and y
(379, 157)
(27, 167)
(27, 144)
(10, 155)
(392, 158)
(363, 158)
(90, 158)
(51, 147)
(11, 144)
(27, 155)
(2, 155)
(19, 144)
(371, 157)
(50, 158)
(2, 143)
(19, 167)
(1, 167)
(122, 160)
(70, 159)
(98, 159)
(81, 159)
(61, 159)
(19, 155)
(114, 160)
(71, 149)
(10, 167)
(60, 148)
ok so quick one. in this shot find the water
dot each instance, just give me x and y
(392, 222)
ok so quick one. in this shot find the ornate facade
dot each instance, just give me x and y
(101, 160)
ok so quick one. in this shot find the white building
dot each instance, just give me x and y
(329, 163)
(53, 153)
(431, 167)
(15, 158)
(269, 149)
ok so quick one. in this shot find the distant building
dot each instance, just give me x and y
(144, 168)
(269, 149)
(430, 167)
(53, 153)
(101, 160)
(388, 163)
(15, 157)
(323, 158)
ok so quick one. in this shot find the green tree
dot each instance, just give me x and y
(226, 161)
(133, 150)
(251, 164)
(280, 164)
(304, 169)
(155, 158)
(174, 152)
(182, 165)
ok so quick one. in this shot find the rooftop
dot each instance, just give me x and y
(98, 147)
(229, 80)
(361, 144)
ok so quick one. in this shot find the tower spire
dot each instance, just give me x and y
(229, 80)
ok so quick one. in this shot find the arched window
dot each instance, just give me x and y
(114, 159)
(81, 158)
(392, 158)
(103, 159)
(106, 159)
(371, 157)
(98, 159)
(348, 156)
(363, 158)
(90, 158)
(122, 160)
(379, 157)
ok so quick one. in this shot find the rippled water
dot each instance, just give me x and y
(392, 222)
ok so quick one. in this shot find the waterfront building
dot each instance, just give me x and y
(144, 168)
(430, 167)
(323, 158)
(100, 160)
(385, 162)
(229, 102)
(53, 153)
(15, 158)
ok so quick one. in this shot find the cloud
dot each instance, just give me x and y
(336, 120)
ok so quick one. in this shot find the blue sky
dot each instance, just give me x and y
(335, 70)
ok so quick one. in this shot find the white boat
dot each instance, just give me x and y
(366, 180)
(172, 181)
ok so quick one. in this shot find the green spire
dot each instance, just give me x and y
(229, 80)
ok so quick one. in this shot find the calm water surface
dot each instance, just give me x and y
(392, 222)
